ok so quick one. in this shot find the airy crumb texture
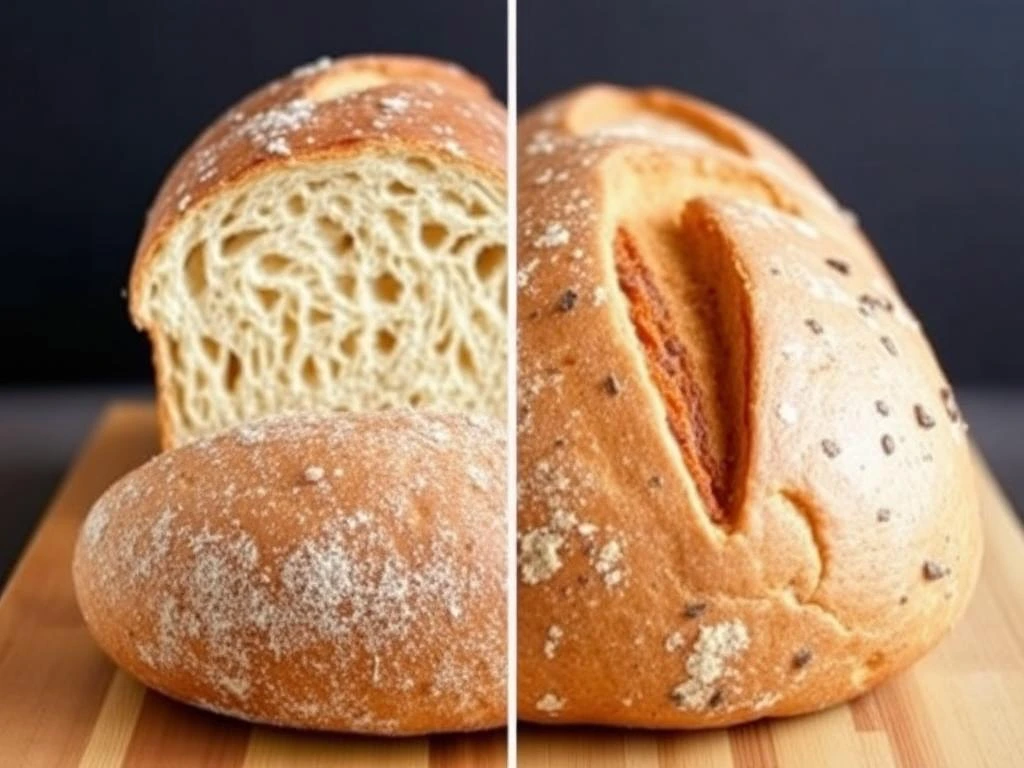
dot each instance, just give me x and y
(370, 283)
(336, 242)
(244, 574)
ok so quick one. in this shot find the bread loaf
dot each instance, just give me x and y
(745, 489)
(336, 241)
(330, 572)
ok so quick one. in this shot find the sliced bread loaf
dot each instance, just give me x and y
(336, 241)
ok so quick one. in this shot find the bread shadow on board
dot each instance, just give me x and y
(175, 733)
(872, 711)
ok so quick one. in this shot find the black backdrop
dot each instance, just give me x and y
(99, 98)
(912, 112)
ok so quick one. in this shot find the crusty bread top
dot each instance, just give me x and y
(342, 572)
(659, 115)
(723, 145)
(737, 452)
(327, 109)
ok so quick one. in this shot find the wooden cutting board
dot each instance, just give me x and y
(962, 706)
(62, 703)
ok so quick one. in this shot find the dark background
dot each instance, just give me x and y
(100, 97)
(912, 113)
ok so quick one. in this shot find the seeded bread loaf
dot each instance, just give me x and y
(336, 241)
(745, 488)
(334, 572)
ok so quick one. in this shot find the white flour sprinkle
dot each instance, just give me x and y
(96, 524)
(706, 665)
(541, 143)
(397, 104)
(347, 583)
(279, 146)
(608, 563)
(269, 130)
(804, 228)
(766, 700)
(478, 478)
(550, 703)
(539, 558)
(552, 641)
(314, 67)
(525, 272)
(314, 474)
(554, 236)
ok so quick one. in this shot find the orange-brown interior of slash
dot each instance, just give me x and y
(688, 305)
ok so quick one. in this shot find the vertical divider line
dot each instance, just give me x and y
(511, 378)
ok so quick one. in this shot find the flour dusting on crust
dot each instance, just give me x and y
(288, 593)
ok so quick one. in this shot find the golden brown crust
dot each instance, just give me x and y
(238, 143)
(841, 539)
(597, 105)
(325, 111)
(332, 572)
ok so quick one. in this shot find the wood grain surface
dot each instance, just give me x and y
(961, 706)
(62, 703)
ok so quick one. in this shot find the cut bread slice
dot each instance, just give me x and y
(335, 242)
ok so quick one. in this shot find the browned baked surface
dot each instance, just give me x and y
(744, 487)
(323, 111)
(340, 572)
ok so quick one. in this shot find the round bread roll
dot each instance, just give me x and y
(328, 572)
(745, 488)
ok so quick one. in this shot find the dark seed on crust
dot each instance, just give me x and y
(568, 300)
(949, 403)
(883, 515)
(655, 481)
(693, 610)
(933, 571)
(924, 418)
(815, 326)
(802, 658)
(903, 599)
(839, 266)
(611, 384)
(890, 346)
(830, 447)
(869, 303)
(716, 699)
(882, 407)
(888, 444)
